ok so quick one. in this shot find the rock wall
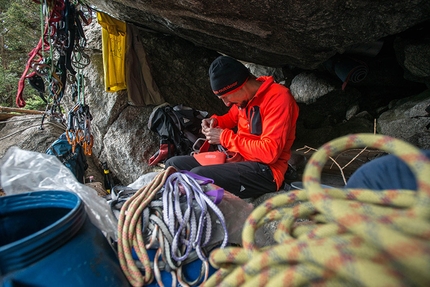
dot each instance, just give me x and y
(302, 34)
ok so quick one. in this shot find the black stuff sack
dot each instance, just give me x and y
(178, 128)
(75, 161)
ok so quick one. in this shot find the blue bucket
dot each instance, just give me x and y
(46, 239)
(192, 272)
(299, 185)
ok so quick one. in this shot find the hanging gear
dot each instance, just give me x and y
(79, 128)
(57, 59)
(37, 83)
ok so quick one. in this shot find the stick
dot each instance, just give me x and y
(18, 110)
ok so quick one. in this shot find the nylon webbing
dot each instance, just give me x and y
(354, 237)
(189, 233)
(173, 216)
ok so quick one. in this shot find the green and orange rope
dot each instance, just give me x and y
(354, 237)
(130, 231)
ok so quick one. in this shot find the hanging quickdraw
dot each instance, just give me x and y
(88, 140)
(83, 125)
(79, 128)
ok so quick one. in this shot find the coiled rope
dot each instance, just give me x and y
(177, 223)
(130, 231)
(356, 237)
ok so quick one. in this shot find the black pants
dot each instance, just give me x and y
(245, 179)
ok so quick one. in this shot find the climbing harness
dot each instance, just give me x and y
(172, 218)
(58, 60)
(352, 237)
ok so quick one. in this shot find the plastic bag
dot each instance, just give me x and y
(24, 171)
(143, 180)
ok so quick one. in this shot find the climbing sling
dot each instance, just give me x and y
(175, 218)
(352, 237)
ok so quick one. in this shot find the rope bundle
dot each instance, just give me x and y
(180, 223)
(355, 237)
(190, 230)
(130, 231)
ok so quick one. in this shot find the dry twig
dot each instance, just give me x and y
(341, 168)
(334, 161)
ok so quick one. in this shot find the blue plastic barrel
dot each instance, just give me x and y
(191, 272)
(46, 239)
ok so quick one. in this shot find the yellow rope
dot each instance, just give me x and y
(355, 237)
(130, 231)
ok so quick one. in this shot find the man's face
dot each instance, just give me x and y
(238, 98)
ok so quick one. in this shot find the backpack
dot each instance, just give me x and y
(75, 161)
(178, 128)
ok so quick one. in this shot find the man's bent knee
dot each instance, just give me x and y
(182, 162)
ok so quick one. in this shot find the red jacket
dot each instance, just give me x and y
(265, 128)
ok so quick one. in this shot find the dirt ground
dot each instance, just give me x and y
(337, 170)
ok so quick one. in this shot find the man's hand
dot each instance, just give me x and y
(211, 131)
(209, 123)
(213, 135)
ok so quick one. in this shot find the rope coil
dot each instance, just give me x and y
(172, 215)
(355, 237)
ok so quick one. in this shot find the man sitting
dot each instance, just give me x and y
(264, 114)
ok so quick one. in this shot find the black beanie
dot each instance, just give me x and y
(226, 75)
